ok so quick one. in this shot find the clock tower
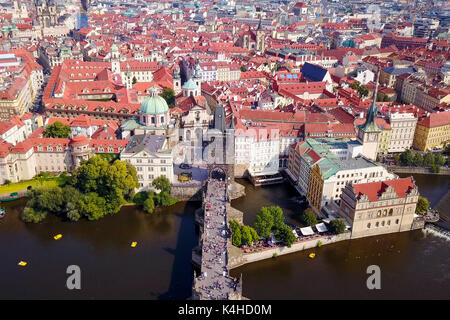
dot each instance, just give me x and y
(368, 133)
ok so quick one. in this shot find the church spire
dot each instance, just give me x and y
(370, 124)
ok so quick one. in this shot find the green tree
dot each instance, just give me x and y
(134, 80)
(263, 223)
(162, 184)
(30, 215)
(140, 197)
(363, 91)
(57, 130)
(428, 159)
(337, 226)
(149, 205)
(308, 217)
(243, 69)
(277, 215)
(246, 235)
(422, 205)
(439, 159)
(418, 159)
(435, 168)
(355, 85)
(48, 199)
(285, 235)
(169, 95)
(407, 158)
(236, 236)
(397, 159)
(92, 206)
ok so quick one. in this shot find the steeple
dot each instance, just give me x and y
(259, 28)
(370, 124)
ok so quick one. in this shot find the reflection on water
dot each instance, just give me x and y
(159, 267)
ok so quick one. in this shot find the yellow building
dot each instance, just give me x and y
(433, 131)
(315, 188)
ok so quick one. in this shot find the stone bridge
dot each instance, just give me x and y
(211, 255)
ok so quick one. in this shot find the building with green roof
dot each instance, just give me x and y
(153, 117)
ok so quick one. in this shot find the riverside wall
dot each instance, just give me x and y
(399, 169)
(238, 258)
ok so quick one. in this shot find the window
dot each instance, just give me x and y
(368, 225)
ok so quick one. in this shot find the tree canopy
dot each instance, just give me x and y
(97, 188)
(169, 95)
(422, 205)
(308, 217)
(57, 130)
(337, 226)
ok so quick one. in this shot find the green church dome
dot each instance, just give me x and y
(154, 104)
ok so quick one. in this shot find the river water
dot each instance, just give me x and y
(412, 265)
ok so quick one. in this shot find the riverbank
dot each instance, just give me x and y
(418, 170)
(239, 258)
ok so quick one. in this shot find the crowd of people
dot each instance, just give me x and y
(214, 282)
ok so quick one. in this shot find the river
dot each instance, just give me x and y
(412, 265)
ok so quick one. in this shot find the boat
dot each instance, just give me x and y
(2, 212)
(134, 244)
(57, 237)
(312, 255)
(22, 263)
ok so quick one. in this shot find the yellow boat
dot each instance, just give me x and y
(133, 244)
(312, 255)
(22, 263)
(57, 237)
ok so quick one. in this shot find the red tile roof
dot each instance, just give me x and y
(374, 189)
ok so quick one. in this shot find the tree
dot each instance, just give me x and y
(134, 80)
(30, 215)
(92, 206)
(149, 205)
(428, 159)
(418, 159)
(48, 199)
(397, 159)
(435, 168)
(7, 181)
(169, 95)
(140, 197)
(355, 85)
(277, 215)
(236, 236)
(363, 91)
(439, 159)
(422, 205)
(246, 235)
(57, 130)
(162, 184)
(243, 69)
(263, 223)
(308, 217)
(337, 226)
(407, 158)
(285, 235)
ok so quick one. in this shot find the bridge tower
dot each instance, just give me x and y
(220, 149)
